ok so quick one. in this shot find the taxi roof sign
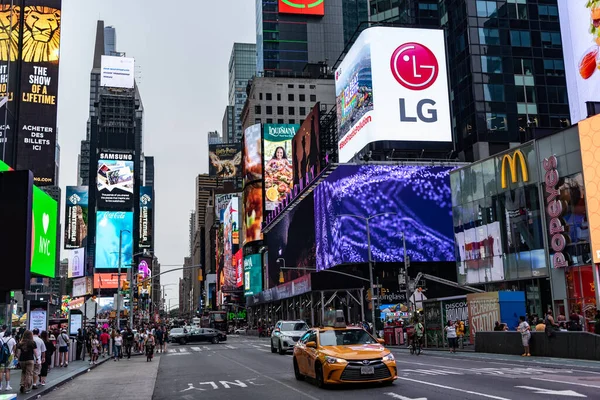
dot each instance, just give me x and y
(334, 318)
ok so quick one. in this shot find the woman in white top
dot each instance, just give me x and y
(451, 335)
(118, 346)
(6, 367)
(525, 330)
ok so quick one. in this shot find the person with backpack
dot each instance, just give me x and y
(7, 355)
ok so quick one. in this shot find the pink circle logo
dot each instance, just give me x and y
(414, 66)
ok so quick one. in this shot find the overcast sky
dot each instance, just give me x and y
(181, 49)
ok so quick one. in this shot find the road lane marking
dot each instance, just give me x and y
(275, 380)
(489, 396)
(183, 351)
(400, 397)
(567, 383)
(172, 351)
(196, 348)
(230, 347)
(568, 393)
(266, 345)
(205, 348)
(433, 372)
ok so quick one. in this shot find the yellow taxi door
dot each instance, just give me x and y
(311, 355)
(300, 353)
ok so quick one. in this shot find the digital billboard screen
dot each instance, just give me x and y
(303, 7)
(306, 151)
(278, 172)
(40, 55)
(115, 180)
(393, 86)
(418, 199)
(9, 54)
(252, 216)
(252, 274)
(109, 225)
(76, 263)
(225, 161)
(252, 154)
(76, 217)
(117, 72)
(238, 260)
(44, 227)
(146, 217)
(580, 37)
(230, 229)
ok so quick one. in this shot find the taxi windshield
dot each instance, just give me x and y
(345, 337)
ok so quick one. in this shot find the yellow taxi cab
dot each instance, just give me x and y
(338, 354)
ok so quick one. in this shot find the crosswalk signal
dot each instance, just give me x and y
(126, 285)
(281, 279)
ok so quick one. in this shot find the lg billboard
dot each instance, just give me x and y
(580, 43)
(393, 86)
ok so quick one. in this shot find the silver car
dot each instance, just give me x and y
(286, 334)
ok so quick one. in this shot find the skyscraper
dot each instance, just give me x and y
(287, 39)
(242, 67)
(214, 138)
(110, 40)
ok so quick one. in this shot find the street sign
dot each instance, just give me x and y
(411, 286)
(401, 279)
(569, 393)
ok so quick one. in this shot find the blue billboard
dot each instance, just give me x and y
(109, 225)
(252, 274)
(412, 199)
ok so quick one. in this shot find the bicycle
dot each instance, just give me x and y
(415, 347)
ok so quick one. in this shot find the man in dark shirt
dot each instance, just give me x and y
(160, 339)
(128, 338)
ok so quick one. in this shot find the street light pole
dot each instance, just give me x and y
(119, 284)
(406, 277)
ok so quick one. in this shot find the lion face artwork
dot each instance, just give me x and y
(226, 168)
(9, 32)
(41, 35)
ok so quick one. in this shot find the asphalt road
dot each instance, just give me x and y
(244, 367)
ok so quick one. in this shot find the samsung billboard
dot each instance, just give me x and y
(393, 86)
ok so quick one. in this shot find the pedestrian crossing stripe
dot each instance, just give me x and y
(196, 348)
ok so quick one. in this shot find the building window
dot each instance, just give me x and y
(313, 98)
(290, 86)
(491, 65)
(279, 110)
(260, 96)
(278, 96)
(525, 94)
(551, 40)
(291, 111)
(495, 121)
(520, 38)
(556, 94)
(290, 96)
(269, 96)
(517, 9)
(292, 121)
(522, 66)
(257, 110)
(269, 120)
(548, 12)
(486, 8)
(302, 97)
(489, 36)
(493, 92)
(257, 121)
(280, 121)
(554, 67)
(302, 111)
(269, 110)
(313, 86)
(301, 86)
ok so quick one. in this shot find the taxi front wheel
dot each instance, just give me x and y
(297, 373)
(319, 375)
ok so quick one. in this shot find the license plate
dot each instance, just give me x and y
(367, 370)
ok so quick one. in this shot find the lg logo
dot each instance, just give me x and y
(416, 68)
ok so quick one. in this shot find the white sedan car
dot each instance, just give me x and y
(286, 334)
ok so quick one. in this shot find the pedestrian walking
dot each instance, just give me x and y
(7, 356)
(80, 345)
(128, 339)
(104, 339)
(149, 343)
(26, 354)
(50, 349)
(63, 349)
(40, 357)
(451, 336)
(118, 340)
(95, 345)
(160, 339)
(525, 330)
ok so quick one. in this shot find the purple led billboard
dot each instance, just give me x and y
(420, 197)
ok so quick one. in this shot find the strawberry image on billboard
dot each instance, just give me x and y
(306, 7)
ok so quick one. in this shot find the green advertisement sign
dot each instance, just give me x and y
(252, 274)
(44, 225)
(45, 217)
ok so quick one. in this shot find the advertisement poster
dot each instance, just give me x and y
(484, 311)
(252, 274)
(253, 212)
(580, 36)
(9, 54)
(221, 203)
(109, 225)
(480, 250)
(40, 33)
(76, 262)
(44, 235)
(588, 138)
(117, 72)
(75, 323)
(146, 217)
(417, 197)
(76, 217)
(115, 180)
(434, 332)
(225, 161)
(303, 7)
(238, 259)
(456, 310)
(230, 225)
(80, 287)
(252, 154)
(144, 267)
(306, 147)
(279, 176)
(393, 86)
(107, 281)
(37, 320)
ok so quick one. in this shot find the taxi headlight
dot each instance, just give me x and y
(388, 357)
(335, 360)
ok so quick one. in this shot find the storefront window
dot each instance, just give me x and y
(581, 291)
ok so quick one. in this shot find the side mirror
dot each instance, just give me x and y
(312, 345)
(381, 341)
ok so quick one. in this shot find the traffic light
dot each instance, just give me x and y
(140, 278)
(126, 285)
(281, 279)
